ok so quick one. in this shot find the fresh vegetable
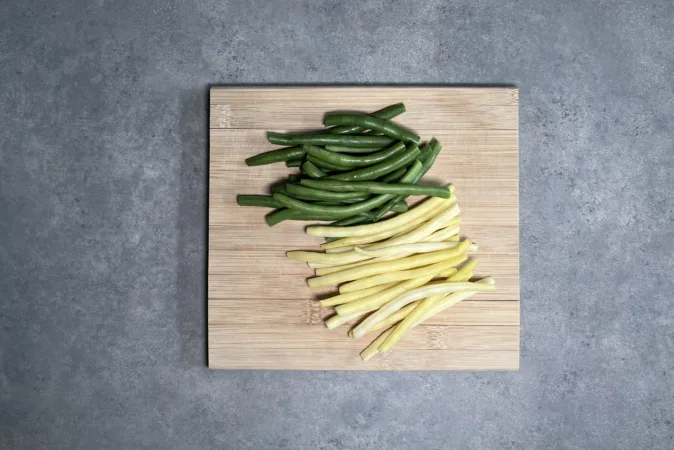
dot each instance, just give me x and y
(318, 194)
(374, 187)
(387, 267)
(359, 150)
(383, 267)
(294, 163)
(350, 161)
(377, 170)
(312, 171)
(257, 200)
(326, 165)
(385, 278)
(398, 223)
(339, 212)
(384, 126)
(387, 113)
(353, 296)
(280, 155)
(358, 140)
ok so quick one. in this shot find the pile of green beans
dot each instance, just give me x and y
(354, 172)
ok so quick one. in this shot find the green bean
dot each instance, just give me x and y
(294, 163)
(380, 169)
(362, 141)
(317, 194)
(435, 148)
(311, 170)
(400, 207)
(432, 151)
(387, 113)
(394, 176)
(337, 203)
(278, 188)
(353, 220)
(351, 161)
(373, 187)
(257, 200)
(293, 178)
(282, 154)
(341, 149)
(345, 211)
(323, 164)
(279, 215)
(337, 211)
(373, 123)
(366, 217)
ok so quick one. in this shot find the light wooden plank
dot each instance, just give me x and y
(347, 359)
(429, 337)
(301, 108)
(492, 240)
(237, 311)
(493, 154)
(251, 282)
(245, 265)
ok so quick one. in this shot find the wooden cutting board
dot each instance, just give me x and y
(262, 315)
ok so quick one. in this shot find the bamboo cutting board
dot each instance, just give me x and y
(262, 315)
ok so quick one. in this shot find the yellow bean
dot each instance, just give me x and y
(395, 317)
(375, 301)
(351, 296)
(337, 320)
(387, 266)
(445, 233)
(332, 269)
(390, 224)
(421, 247)
(423, 312)
(359, 240)
(413, 295)
(400, 275)
(421, 232)
(373, 348)
(327, 258)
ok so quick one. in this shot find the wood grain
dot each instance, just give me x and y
(348, 359)
(235, 311)
(262, 314)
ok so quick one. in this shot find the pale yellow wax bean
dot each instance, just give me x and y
(395, 317)
(375, 301)
(422, 313)
(338, 250)
(421, 232)
(376, 237)
(464, 274)
(332, 269)
(443, 234)
(352, 296)
(421, 247)
(373, 228)
(382, 278)
(327, 258)
(373, 348)
(388, 266)
(337, 320)
(413, 295)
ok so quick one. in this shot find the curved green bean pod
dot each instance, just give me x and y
(372, 123)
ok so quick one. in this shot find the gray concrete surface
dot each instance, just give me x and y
(103, 164)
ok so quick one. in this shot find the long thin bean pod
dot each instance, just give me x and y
(373, 123)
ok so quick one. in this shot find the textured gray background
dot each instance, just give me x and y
(103, 162)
